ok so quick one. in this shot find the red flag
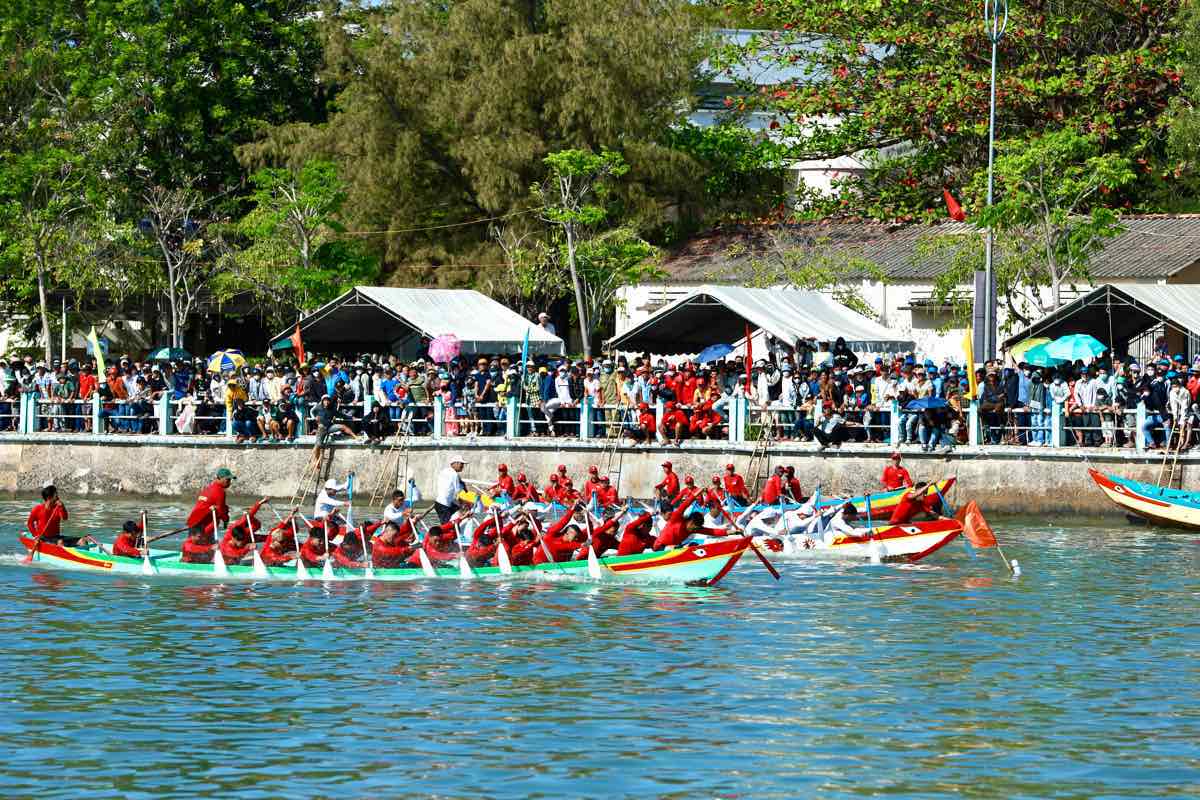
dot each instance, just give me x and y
(975, 527)
(956, 212)
(749, 359)
(297, 345)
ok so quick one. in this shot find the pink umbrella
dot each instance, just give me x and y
(445, 348)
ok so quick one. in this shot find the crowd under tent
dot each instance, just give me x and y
(1128, 318)
(378, 319)
(721, 314)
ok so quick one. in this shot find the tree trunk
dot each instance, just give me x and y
(580, 306)
(174, 305)
(41, 279)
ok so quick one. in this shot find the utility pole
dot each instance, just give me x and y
(995, 18)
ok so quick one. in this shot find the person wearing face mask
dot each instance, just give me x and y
(1179, 404)
(1155, 407)
(1059, 393)
(1039, 410)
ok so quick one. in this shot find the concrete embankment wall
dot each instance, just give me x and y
(1002, 479)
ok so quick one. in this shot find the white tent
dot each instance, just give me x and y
(380, 318)
(721, 314)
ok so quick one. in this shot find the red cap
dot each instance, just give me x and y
(716, 479)
(593, 469)
(895, 454)
(553, 478)
(666, 465)
(521, 476)
(688, 479)
(729, 467)
(502, 468)
(604, 479)
(562, 467)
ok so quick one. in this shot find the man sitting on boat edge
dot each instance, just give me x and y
(44, 518)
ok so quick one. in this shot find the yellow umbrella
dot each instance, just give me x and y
(1020, 348)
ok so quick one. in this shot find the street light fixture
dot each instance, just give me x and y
(995, 20)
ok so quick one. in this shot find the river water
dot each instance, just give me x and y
(1078, 680)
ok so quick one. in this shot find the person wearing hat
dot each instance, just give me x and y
(524, 491)
(212, 498)
(449, 486)
(129, 541)
(772, 491)
(895, 476)
(504, 484)
(735, 486)
(668, 487)
(545, 324)
(592, 484)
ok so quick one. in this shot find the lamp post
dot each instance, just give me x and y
(995, 19)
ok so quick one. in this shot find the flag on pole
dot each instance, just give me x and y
(952, 207)
(94, 341)
(298, 345)
(969, 349)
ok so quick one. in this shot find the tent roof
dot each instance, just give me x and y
(386, 317)
(720, 314)
(1117, 314)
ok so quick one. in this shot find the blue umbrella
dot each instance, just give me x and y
(1038, 356)
(713, 352)
(923, 403)
(1076, 345)
(226, 361)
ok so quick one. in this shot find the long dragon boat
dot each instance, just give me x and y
(694, 565)
(880, 502)
(909, 542)
(1174, 508)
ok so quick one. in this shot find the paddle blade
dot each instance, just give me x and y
(770, 567)
(464, 568)
(975, 527)
(594, 571)
(260, 569)
(327, 570)
(503, 560)
(301, 572)
(219, 568)
(426, 565)
(147, 566)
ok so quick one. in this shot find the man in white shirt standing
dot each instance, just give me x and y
(327, 503)
(545, 324)
(449, 484)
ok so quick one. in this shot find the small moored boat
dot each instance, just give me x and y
(1174, 508)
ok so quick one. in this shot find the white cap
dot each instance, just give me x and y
(332, 485)
(457, 459)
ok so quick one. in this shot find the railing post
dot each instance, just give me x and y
(743, 417)
(96, 426)
(368, 403)
(585, 418)
(229, 420)
(439, 417)
(659, 411)
(164, 414)
(894, 433)
(732, 420)
(1140, 423)
(301, 410)
(1056, 424)
(818, 411)
(512, 419)
(23, 413)
(973, 424)
(33, 413)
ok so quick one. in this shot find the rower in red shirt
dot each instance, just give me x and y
(913, 502)
(277, 551)
(715, 492)
(550, 493)
(735, 486)
(350, 553)
(504, 484)
(212, 497)
(129, 541)
(637, 536)
(519, 541)
(773, 489)
(562, 538)
(199, 546)
(562, 474)
(392, 548)
(439, 545)
(591, 485)
(679, 527)
(236, 544)
(483, 543)
(567, 494)
(668, 487)
(604, 537)
(44, 518)
(792, 484)
(524, 491)
(894, 475)
(689, 489)
(606, 493)
(312, 552)
(245, 525)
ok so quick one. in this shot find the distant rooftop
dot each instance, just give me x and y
(1153, 246)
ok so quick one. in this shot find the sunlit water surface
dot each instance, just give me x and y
(951, 679)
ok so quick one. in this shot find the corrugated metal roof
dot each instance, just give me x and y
(1150, 247)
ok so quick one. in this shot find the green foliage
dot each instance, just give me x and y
(291, 254)
(1050, 218)
(608, 262)
(742, 169)
(911, 78)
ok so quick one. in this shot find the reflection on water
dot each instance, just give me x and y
(943, 679)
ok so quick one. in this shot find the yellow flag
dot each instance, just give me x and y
(969, 349)
(98, 353)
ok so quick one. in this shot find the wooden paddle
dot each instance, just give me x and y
(770, 567)
(37, 542)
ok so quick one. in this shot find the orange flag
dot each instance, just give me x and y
(975, 527)
(297, 345)
(952, 207)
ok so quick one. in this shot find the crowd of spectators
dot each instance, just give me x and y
(826, 394)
